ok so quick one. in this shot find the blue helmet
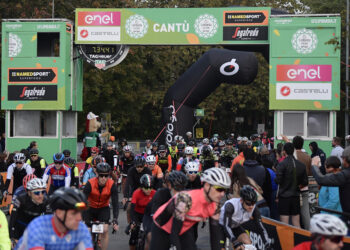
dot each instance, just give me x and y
(58, 157)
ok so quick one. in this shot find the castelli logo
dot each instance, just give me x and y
(285, 91)
(108, 18)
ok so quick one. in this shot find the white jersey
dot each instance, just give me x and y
(12, 167)
(239, 216)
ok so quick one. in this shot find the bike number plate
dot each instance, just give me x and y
(97, 228)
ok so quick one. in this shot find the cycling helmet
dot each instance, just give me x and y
(66, 152)
(214, 139)
(229, 142)
(248, 193)
(205, 141)
(217, 177)
(180, 146)
(216, 135)
(191, 143)
(58, 157)
(272, 139)
(239, 138)
(327, 224)
(66, 198)
(69, 161)
(127, 148)
(95, 149)
(19, 157)
(35, 183)
(189, 133)
(155, 144)
(254, 136)
(97, 159)
(151, 159)
(146, 181)
(249, 143)
(103, 167)
(33, 151)
(139, 161)
(173, 143)
(161, 148)
(245, 139)
(178, 180)
(188, 151)
(191, 166)
(176, 137)
(221, 144)
(27, 178)
(206, 149)
(109, 144)
(148, 141)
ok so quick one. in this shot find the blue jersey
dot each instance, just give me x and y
(42, 234)
(59, 177)
(89, 174)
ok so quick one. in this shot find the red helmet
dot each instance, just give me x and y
(27, 178)
(95, 149)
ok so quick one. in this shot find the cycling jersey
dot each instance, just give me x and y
(74, 182)
(157, 172)
(23, 212)
(5, 242)
(160, 197)
(89, 174)
(199, 211)
(141, 200)
(303, 246)
(41, 233)
(18, 175)
(133, 181)
(39, 166)
(182, 163)
(196, 184)
(59, 177)
(165, 163)
(126, 163)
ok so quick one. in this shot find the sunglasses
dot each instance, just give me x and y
(19, 162)
(335, 239)
(103, 175)
(146, 188)
(94, 153)
(43, 192)
(80, 206)
(58, 162)
(219, 189)
(33, 155)
(249, 204)
(192, 172)
(139, 166)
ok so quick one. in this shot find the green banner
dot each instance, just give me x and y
(178, 26)
(304, 63)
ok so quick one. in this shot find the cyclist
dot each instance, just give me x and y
(109, 154)
(27, 207)
(188, 158)
(70, 162)
(36, 162)
(126, 162)
(227, 154)
(59, 172)
(66, 153)
(22, 189)
(5, 242)
(157, 173)
(327, 233)
(163, 160)
(140, 198)
(192, 144)
(173, 154)
(94, 152)
(91, 172)
(18, 170)
(154, 148)
(99, 191)
(193, 175)
(207, 158)
(63, 230)
(148, 147)
(235, 212)
(175, 219)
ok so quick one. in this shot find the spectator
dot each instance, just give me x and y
(329, 196)
(3, 166)
(10, 159)
(340, 179)
(33, 144)
(337, 149)
(290, 175)
(3, 141)
(298, 143)
(316, 151)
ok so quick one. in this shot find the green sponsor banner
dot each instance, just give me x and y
(304, 65)
(178, 26)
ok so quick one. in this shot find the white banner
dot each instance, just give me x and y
(303, 91)
(104, 34)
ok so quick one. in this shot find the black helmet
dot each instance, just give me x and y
(161, 148)
(97, 159)
(178, 180)
(66, 198)
(66, 152)
(103, 167)
(140, 161)
(155, 144)
(191, 143)
(173, 143)
(69, 161)
(33, 151)
(181, 146)
(206, 149)
(146, 181)
(247, 193)
(229, 142)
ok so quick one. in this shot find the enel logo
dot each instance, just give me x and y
(304, 73)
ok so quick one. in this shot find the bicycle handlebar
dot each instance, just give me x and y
(332, 211)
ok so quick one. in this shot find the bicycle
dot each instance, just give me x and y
(96, 231)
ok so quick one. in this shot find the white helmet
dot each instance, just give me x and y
(36, 183)
(151, 159)
(239, 138)
(245, 138)
(216, 177)
(188, 151)
(192, 166)
(127, 148)
(327, 224)
(19, 157)
(205, 141)
(189, 133)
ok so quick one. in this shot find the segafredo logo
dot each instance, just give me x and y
(108, 18)
(301, 73)
(33, 92)
(229, 68)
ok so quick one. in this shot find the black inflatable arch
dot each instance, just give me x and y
(216, 66)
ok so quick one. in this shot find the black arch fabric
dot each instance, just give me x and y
(216, 66)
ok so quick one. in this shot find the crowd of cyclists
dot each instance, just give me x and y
(167, 191)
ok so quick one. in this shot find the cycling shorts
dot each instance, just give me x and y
(97, 214)
(289, 206)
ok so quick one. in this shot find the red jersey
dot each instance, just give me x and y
(303, 246)
(141, 200)
(199, 211)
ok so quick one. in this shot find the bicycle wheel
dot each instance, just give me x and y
(141, 240)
